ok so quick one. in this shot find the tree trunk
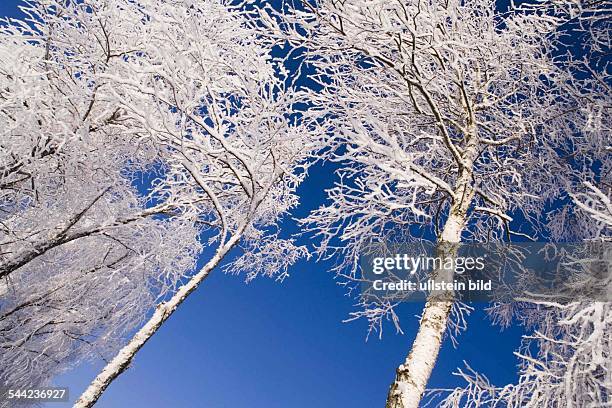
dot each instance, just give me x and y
(163, 311)
(412, 376)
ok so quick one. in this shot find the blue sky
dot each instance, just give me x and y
(269, 344)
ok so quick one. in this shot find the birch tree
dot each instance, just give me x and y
(204, 86)
(100, 93)
(450, 119)
(564, 359)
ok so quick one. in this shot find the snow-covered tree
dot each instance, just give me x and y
(451, 119)
(204, 86)
(564, 359)
(97, 94)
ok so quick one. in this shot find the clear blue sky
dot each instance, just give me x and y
(281, 345)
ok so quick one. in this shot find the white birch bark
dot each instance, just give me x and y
(413, 375)
(163, 311)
